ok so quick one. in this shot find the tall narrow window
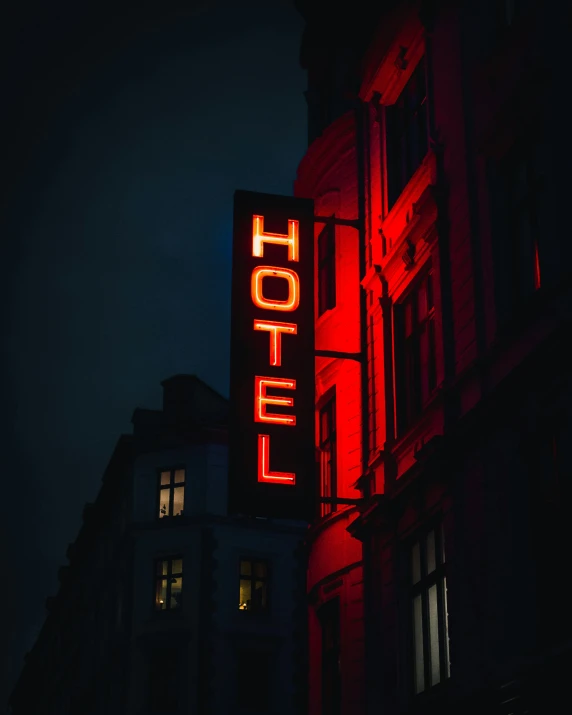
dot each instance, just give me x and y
(171, 492)
(429, 618)
(327, 269)
(253, 586)
(372, 395)
(328, 478)
(168, 583)
(163, 680)
(329, 616)
(406, 133)
(415, 350)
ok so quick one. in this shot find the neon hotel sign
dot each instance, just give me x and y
(275, 331)
(272, 357)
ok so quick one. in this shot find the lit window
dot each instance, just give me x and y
(406, 136)
(429, 616)
(163, 680)
(168, 584)
(328, 476)
(327, 269)
(253, 586)
(415, 350)
(171, 492)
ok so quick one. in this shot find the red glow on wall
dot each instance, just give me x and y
(291, 277)
(264, 473)
(276, 329)
(261, 400)
(259, 238)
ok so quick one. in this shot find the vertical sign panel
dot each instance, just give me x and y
(272, 472)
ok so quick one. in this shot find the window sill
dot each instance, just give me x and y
(324, 317)
(417, 424)
(405, 212)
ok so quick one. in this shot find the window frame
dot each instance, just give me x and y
(265, 580)
(159, 577)
(327, 269)
(421, 588)
(400, 123)
(170, 488)
(408, 353)
(328, 446)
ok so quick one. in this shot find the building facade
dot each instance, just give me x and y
(169, 605)
(436, 161)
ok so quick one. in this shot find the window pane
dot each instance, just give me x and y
(260, 569)
(161, 594)
(408, 315)
(259, 596)
(430, 290)
(164, 497)
(434, 635)
(177, 566)
(418, 644)
(165, 478)
(244, 598)
(415, 564)
(178, 500)
(422, 302)
(179, 476)
(162, 568)
(245, 568)
(431, 552)
(176, 592)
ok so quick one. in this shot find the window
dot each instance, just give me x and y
(406, 134)
(253, 680)
(163, 680)
(328, 480)
(253, 586)
(171, 492)
(415, 350)
(371, 387)
(168, 584)
(327, 269)
(430, 635)
(329, 616)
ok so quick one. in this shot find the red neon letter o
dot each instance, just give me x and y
(293, 300)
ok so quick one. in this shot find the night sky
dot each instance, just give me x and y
(125, 130)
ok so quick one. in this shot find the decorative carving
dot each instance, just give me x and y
(401, 62)
(408, 255)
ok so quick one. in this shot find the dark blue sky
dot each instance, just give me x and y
(125, 141)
